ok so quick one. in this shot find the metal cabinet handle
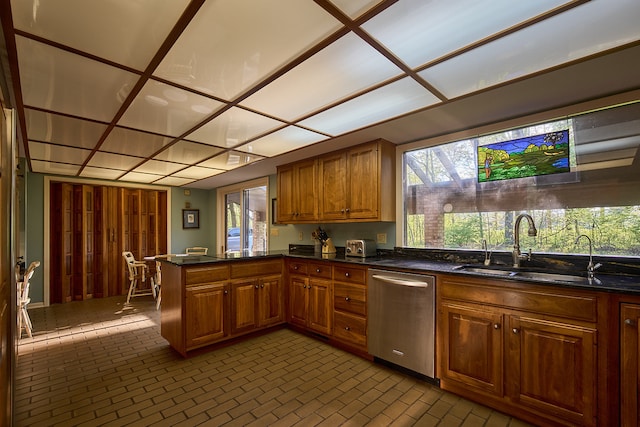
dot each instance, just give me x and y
(347, 210)
(346, 298)
(515, 330)
(496, 326)
(629, 322)
(346, 328)
(347, 274)
(317, 270)
(225, 292)
(262, 286)
(256, 286)
(295, 267)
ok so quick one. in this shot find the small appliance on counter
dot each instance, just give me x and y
(360, 248)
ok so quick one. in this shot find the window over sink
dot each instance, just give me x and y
(446, 207)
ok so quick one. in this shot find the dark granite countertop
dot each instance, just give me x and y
(414, 262)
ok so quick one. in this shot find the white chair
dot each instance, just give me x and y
(137, 274)
(24, 321)
(156, 279)
(196, 250)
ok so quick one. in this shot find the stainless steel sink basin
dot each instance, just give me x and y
(552, 277)
(491, 271)
(535, 275)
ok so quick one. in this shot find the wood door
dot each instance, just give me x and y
(551, 367)
(362, 182)
(244, 306)
(206, 308)
(333, 186)
(298, 300)
(61, 250)
(472, 346)
(306, 190)
(108, 253)
(629, 365)
(83, 247)
(270, 301)
(320, 306)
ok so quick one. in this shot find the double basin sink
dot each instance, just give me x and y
(524, 274)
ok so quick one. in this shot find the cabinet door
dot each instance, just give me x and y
(269, 301)
(306, 190)
(298, 300)
(206, 311)
(629, 361)
(472, 347)
(320, 306)
(243, 306)
(551, 367)
(333, 186)
(286, 194)
(362, 182)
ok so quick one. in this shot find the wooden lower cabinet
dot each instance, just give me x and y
(203, 304)
(630, 364)
(350, 306)
(310, 296)
(540, 365)
(256, 303)
(207, 313)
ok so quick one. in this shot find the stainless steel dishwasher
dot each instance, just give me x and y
(401, 319)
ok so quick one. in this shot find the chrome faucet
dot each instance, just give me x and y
(591, 268)
(517, 255)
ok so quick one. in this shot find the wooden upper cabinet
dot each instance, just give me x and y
(297, 200)
(357, 184)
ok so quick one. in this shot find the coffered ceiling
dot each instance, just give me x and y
(204, 93)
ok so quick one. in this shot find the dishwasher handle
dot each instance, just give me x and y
(401, 282)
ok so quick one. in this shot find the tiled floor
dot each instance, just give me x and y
(100, 362)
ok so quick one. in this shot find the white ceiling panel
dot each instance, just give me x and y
(389, 101)
(173, 181)
(141, 177)
(288, 139)
(134, 143)
(187, 152)
(159, 167)
(100, 173)
(167, 110)
(113, 161)
(419, 31)
(197, 172)
(121, 31)
(63, 130)
(344, 68)
(230, 160)
(354, 8)
(537, 48)
(54, 79)
(233, 127)
(40, 166)
(233, 44)
(56, 153)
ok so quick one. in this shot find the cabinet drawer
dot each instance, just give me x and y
(582, 306)
(350, 274)
(350, 298)
(296, 267)
(320, 270)
(350, 328)
(195, 275)
(256, 268)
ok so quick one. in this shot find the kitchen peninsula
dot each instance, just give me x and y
(552, 347)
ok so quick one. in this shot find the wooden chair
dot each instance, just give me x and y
(24, 321)
(196, 250)
(137, 274)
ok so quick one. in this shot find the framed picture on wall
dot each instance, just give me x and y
(190, 218)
